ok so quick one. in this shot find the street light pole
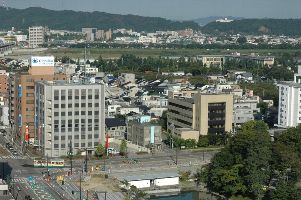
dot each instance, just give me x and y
(70, 156)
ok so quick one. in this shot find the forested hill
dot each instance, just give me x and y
(73, 20)
(289, 27)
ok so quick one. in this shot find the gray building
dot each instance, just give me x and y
(69, 113)
(144, 133)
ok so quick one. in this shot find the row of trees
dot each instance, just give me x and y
(102, 151)
(253, 167)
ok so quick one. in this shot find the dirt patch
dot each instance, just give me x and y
(3, 152)
(99, 183)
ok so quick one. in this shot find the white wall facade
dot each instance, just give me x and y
(289, 111)
(141, 183)
(166, 181)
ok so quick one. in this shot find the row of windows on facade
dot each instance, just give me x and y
(76, 137)
(83, 145)
(76, 113)
(96, 96)
(76, 92)
(76, 105)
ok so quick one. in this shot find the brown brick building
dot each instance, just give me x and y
(22, 100)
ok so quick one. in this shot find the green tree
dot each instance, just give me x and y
(100, 151)
(203, 141)
(243, 166)
(123, 148)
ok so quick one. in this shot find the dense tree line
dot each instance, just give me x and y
(254, 167)
(73, 20)
(290, 27)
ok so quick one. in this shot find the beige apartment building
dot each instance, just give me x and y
(201, 115)
(22, 100)
(36, 36)
(212, 60)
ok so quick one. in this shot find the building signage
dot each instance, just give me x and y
(42, 61)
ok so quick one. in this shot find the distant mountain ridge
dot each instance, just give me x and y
(75, 20)
(289, 27)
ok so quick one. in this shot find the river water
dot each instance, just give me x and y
(181, 196)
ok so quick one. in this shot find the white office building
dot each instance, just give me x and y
(289, 109)
(69, 113)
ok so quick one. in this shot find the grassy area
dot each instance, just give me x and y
(117, 52)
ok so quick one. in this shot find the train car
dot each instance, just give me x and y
(42, 163)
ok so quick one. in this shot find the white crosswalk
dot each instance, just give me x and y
(19, 180)
(13, 157)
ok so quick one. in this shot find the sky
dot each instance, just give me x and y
(174, 9)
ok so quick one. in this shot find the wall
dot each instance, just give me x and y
(166, 181)
(141, 183)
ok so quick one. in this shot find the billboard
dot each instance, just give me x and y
(42, 61)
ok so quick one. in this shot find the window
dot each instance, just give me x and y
(63, 105)
(70, 105)
(89, 112)
(89, 96)
(76, 144)
(56, 146)
(63, 114)
(83, 97)
(90, 136)
(29, 94)
(69, 113)
(29, 87)
(83, 136)
(96, 136)
(89, 105)
(96, 96)
(63, 146)
(83, 105)
(96, 112)
(83, 113)
(96, 104)
(56, 105)
(56, 114)
(76, 105)
(83, 144)
(76, 113)
(62, 137)
(76, 137)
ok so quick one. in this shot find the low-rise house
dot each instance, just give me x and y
(116, 128)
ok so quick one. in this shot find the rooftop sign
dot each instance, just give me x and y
(42, 61)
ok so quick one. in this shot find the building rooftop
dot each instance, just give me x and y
(147, 175)
(67, 83)
(290, 83)
(113, 122)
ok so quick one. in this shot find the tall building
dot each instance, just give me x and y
(289, 109)
(201, 115)
(90, 33)
(22, 98)
(69, 113)
(36, 36)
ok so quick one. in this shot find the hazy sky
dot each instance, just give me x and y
(175, 9)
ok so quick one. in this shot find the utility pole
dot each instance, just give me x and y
(70, 156)
(47, 167)
(86, 161)
(80, 186)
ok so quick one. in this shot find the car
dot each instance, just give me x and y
(15, 153)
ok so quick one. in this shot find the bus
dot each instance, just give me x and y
(42, 163)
